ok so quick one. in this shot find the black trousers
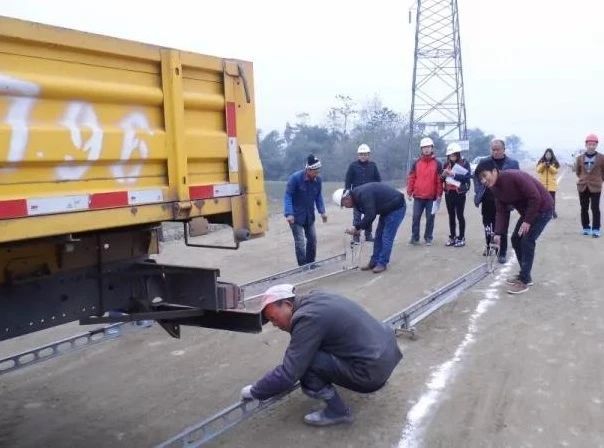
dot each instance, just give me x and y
(456, 203)
(488, 221)
(587, 198)
(524, 245)
(326, 369)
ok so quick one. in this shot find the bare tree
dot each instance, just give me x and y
(342, 113)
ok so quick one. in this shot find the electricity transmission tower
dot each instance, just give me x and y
(437, 101)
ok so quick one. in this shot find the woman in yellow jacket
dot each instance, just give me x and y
(547, 169)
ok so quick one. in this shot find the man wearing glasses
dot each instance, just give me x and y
(302, 194)
(485, 199)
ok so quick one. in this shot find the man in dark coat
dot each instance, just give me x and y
(361, 172)
(373, 199)
(333, 341)
(484, 197)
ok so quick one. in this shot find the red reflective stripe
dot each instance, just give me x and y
(13, 209)
(201, 192)
(231, 119)
(107, 200)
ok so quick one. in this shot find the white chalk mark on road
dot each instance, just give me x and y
(560, 177)
(418, 415)
(371, 282)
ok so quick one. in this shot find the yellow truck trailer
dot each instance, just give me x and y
(102, 140)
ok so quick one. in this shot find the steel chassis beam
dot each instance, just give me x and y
(300, 275)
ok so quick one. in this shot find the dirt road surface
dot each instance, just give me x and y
(486, 370)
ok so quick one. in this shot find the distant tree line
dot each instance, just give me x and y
(335, 142)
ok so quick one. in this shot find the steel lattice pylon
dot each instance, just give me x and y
(437, 101)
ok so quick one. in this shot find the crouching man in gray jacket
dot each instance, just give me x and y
(333, 341)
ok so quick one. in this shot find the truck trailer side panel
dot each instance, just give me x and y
(98, 132)
(101, 140)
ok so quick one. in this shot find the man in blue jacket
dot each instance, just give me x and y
(333, 341)
(360, 172)
(484, 196)
(302, 193)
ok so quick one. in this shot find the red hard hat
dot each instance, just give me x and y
(591, 138)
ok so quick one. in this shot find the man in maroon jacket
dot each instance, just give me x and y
(519, 190)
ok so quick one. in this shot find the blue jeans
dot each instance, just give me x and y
(384, 236)
(524, 246)
(356, 219)
(306, 249)
(419, 205)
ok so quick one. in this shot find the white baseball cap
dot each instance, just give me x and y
(276, 293)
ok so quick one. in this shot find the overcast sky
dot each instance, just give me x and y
(532, 68)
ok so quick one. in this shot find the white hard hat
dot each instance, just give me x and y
(363, 149)
(338, 195)
(276, 293)
(452, 148)
(426, 141)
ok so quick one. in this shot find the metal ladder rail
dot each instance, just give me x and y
(57, 348)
